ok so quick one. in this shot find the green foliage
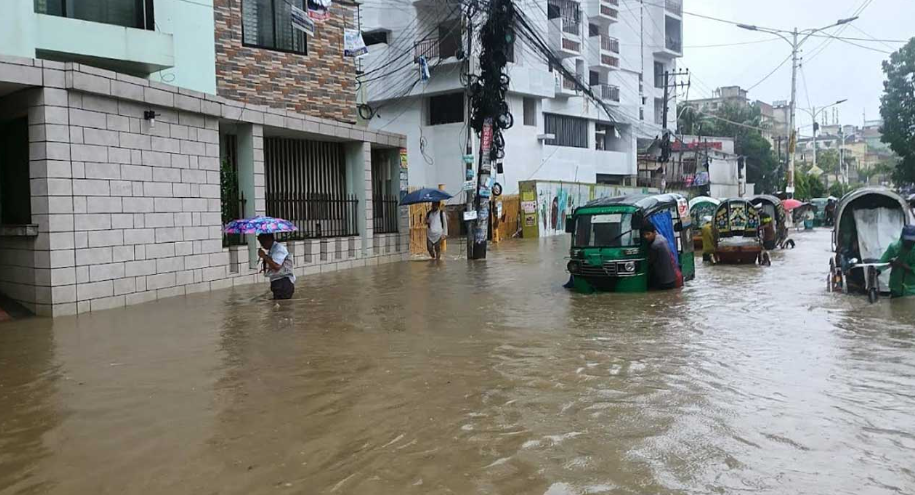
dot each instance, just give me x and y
(762, 167)
(897, 107)
(828, 161)
(228, 181)
(808, 187)
(839, 189)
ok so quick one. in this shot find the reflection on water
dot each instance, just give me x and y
(446, 377)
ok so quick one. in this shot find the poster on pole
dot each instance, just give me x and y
(301, 21)
(319, 10)
(353, 44)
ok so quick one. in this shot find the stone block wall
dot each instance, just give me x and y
(320, 84)
(129, 211)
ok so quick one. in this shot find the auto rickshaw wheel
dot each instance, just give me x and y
(872, 295)
(830, 284)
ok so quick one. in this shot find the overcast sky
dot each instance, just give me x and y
(840, 71)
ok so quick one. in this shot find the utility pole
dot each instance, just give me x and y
(467, 162)
(665, 137)
(489, 117)
(795, 48)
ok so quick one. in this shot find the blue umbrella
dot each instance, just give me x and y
(424, 195)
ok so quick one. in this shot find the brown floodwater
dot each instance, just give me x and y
(441, 378)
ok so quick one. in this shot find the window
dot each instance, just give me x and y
(127, 13)
(375, 38)
(593, 30)
(659, 111)
(446, 109)
(658, 75)
(267, 24)
(449, 38)
(530, 111)
(606, 230)
(15, 199)
(569, 131)
(593, 78)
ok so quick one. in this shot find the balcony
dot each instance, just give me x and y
(673, 39)
(606, 92)
(436, 48)
(674, 7)
(603, 12)
(565, 28)
(565, 88)
(116, 35)
(603, 53)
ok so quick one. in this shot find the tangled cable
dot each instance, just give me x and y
(488, 90)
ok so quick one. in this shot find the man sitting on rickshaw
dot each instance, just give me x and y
(901, 256)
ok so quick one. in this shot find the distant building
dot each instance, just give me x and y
(697, 166)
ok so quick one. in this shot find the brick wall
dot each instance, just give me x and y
(320, 84)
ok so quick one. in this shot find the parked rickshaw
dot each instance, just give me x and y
(772, 206)
(608, 253)
(700, 208)
(868, 221)
(736, 227)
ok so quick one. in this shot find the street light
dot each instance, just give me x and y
(795, 47)
(814, 112)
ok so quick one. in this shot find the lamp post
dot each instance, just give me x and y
(814, 113)
(795, 48)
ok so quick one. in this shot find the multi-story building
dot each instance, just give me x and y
(558, 133)
(131, 130)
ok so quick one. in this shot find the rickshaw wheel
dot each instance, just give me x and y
(872, 295)
(830, 287)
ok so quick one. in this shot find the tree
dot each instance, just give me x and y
(807, 187)
(828, 161)
(897, 107)
(740, 122)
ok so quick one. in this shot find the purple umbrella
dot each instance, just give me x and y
(259, 225)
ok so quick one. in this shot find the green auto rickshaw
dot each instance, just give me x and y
(608, 253)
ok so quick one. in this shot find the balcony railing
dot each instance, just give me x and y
(674, 6)
(569, 84)
(609, 12)
(436, 48)
(569, 12)
(607, 92)
(126, 13)
(572, 46)
(674, 45)
(609, 44)
(615, 3)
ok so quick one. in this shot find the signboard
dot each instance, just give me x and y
(353, 45)
(403, 158)
(470, 215)
(529, 206)
(683, 207)
(301, 21)
(468, 185)
(498, 209)
(609, 218)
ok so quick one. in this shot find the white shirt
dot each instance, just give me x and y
(280, 255)
(437, 228)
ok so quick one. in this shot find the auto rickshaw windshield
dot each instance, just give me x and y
(611, 230)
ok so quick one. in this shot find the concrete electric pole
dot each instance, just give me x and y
(795, 48)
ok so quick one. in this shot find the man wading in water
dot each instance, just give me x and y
(437, 229)
(277, 266)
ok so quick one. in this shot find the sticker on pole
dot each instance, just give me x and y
(301, 21)
(470, 215)
(469, 185)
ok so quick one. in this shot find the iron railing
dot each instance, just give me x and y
(615, 3)
(431, 48)
(233, 207)
(609, 44)
(610, 60)
(607, 92)
(674, 45)
(385, 213)
(316, 215)
(609, 12)
(137, 14)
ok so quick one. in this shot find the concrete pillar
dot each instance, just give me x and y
(248, 175)
(358, 157)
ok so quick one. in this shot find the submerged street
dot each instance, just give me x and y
(484, 378)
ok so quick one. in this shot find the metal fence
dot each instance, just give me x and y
(385, 213)
(233, 201)
(306, 184)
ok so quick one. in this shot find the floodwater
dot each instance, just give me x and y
(424, 378)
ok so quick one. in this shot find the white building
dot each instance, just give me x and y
(620, 52)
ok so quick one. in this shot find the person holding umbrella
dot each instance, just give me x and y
(436, 230)
(277, 266)
(436, 226)
(276, 261)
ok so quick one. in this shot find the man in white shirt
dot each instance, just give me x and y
(437, 229)
(277, 266)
